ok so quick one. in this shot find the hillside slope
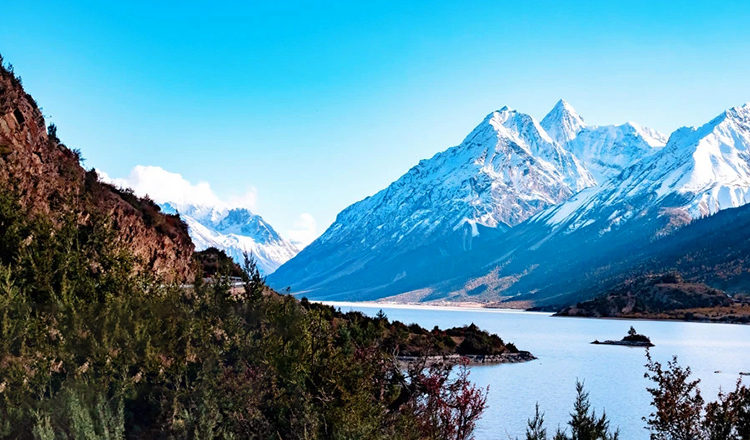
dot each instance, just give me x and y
(48, 179)
(649, 295)
(666, 296)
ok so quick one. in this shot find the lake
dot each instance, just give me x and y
(613, 375)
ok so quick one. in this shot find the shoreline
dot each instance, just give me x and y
(624, 318)
(473, 359)
(474, 307)
(479, 307)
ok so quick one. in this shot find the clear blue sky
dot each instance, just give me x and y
(319, 104)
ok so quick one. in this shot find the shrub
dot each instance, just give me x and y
(92, 349)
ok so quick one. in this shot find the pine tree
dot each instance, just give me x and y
(535, 429)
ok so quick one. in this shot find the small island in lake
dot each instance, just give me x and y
(633, 339)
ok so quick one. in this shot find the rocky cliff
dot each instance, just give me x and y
(49, 180)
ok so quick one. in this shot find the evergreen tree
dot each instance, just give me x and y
(535, 429)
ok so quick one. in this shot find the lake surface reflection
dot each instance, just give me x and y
(613, 375)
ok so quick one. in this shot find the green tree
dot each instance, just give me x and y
(583, 423)
(535, 429)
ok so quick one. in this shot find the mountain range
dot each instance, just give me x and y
(525, 211)
(235, 231)
(604, 150)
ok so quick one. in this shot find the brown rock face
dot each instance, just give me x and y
(50, 180)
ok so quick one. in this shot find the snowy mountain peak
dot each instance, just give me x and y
(563, 123)
(564, 109)
(699, 172)
(730, 130)
(522, 129)
(240, 221)
(650, 136)
(506, 170)
(516, 136)
(604, 150)
(468, 207)
(235, 231)
(741, 113)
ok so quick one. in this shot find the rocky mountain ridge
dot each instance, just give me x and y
(660, 213)
(698, 173)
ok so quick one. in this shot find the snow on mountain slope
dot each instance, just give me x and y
(235, 231)
(506, 170)
(699, 172)
(563, 123)
(607, 150)
(604, 234)
(604, 150)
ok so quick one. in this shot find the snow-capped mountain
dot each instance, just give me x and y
(604, 234)
(563, 123)
(604, 150)
(235, 231)
(507, 169)
(700, 172)
(493, 218)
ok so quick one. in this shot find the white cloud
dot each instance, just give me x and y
(247, 200)
(305, 230)
(164, 186)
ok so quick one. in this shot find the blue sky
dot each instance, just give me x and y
(307, 107)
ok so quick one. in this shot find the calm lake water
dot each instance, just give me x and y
(613, 375)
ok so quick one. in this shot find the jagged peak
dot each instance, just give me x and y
(517, 125)
(502, 114)
(563, 123)
(731, 119)
(501, 118)
(741, 112)
(563, 106)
